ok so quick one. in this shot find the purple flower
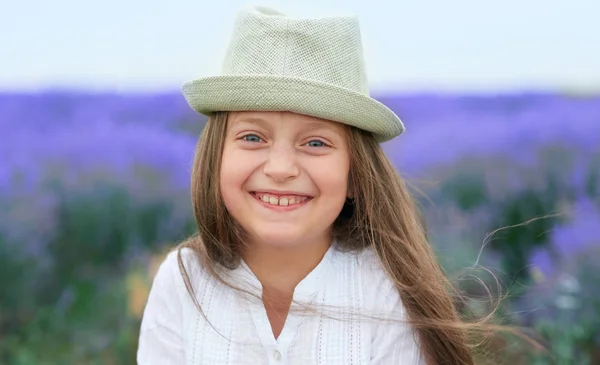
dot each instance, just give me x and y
(578, 234)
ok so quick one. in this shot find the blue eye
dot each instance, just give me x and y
(316, 143)
(251, 138)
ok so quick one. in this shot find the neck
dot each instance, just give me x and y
(280, 269)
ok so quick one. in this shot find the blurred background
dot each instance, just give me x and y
(502, 107)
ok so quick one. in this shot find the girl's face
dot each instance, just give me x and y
(284, 176)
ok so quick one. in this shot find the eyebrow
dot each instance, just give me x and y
(311, 125)
(251, 120)
(321, 126)
(318, 125)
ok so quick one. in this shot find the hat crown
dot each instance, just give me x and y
(327, 50)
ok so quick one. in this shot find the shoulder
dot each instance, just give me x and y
(379, 290)
(393, 340)
(371, 269)
(169, 297)
(169, 281)
(178, 261)
(162, 330)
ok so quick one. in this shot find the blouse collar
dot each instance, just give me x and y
(306, 289)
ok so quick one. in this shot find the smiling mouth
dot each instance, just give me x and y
(281, 200)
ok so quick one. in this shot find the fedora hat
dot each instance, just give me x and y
(311, 66)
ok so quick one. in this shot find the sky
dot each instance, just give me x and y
(149, 45)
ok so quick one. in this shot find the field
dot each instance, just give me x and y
(94, 189)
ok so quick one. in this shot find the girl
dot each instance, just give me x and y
(309, 248)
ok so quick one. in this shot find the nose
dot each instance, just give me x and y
(281, 164)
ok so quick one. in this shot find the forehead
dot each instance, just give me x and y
(274, 118)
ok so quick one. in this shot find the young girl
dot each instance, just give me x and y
(309, 249)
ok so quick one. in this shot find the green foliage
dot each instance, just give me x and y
(95, 327)
(518, 240)
(468, 190)
(520, 204)
(570, 322)
(523, 206)
(592, 180)
(75, 309)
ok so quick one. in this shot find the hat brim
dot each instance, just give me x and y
(277, 93)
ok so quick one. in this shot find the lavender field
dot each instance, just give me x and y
(94, 189)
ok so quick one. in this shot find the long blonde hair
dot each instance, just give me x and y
(382, 216)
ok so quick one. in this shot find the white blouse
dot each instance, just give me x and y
(346, 290)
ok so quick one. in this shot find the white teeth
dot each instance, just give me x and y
(281, 201)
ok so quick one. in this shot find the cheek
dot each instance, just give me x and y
(333, 187)
(234, 173)
(332, 179)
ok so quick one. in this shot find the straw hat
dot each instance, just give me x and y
(311, 66)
